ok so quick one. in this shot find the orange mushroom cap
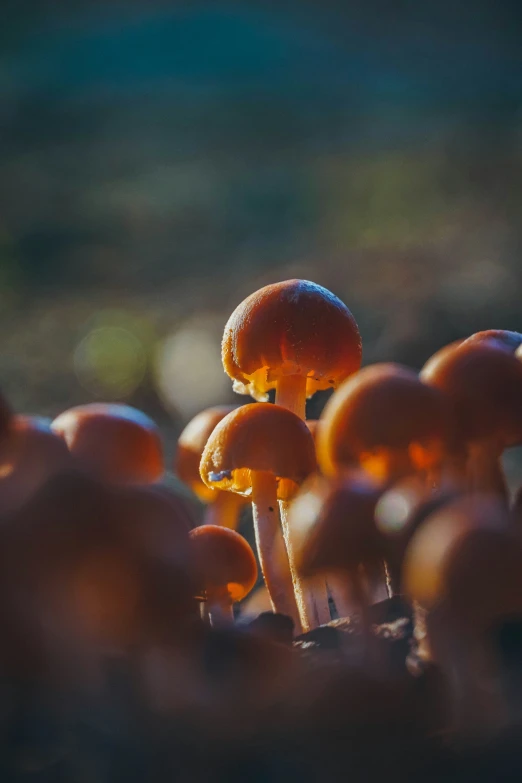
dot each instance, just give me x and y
(291, 328)
(465, 556)
(332, 524)
(384, 406)
(191, 444)
(258, 437)
(484, 386)
(115, 442)
(224, 562)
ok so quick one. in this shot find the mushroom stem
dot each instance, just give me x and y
(220, 610)
(341, 593)
(291, 394)
(311, 595)
(484, 471)
(267, 528)
(224, 510)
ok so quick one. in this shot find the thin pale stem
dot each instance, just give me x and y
(341, 593)
(311, 594)
(484, 471)
(291, 394)
(224, 510)
(270, 545)
(220, 611)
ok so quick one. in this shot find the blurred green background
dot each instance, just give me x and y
(159, 161)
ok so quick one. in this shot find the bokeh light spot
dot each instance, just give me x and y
(110, 362)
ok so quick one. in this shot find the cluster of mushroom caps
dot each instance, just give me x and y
(397, 488)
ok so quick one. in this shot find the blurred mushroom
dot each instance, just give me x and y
(223, 508)
(332, 525)
(113, 442)
(463, 573)
(226, 570)
(295, 337)
(509, 341)
(265, 452)
(385, 420)
(484, 387)
(30, 455)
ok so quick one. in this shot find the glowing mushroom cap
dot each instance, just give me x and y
(191, 444)
(465, 557)
(484, 386)
(258, 437)
(332, 524)
(224, 562)
(115, 442)
(384, 406)
(291, 328)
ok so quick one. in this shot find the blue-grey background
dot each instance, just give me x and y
(159, 161)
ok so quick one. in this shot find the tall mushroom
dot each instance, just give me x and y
(226, 570)
(463, 573)
(264, 452)
(295, 337)
(223, 508)
(113, 442)
(386, 421)
(484, 386)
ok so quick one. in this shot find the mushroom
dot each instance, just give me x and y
(226, 570)
(386, 421)
(295, 337)
(400, 510)
(29, 456)
(223, 508)
(265, 452)
(484, 386)
(509, 341)
(113, 442)
(463, 574)
(333, 528)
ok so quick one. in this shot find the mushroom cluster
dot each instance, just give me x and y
(382, 540)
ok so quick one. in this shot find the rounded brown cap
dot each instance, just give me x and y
(502, 338)
(484, 386)
(224, 562)
(258, 437)
(291, 328)
(465, 557)
(29, 456)
(384, 407)
(115, 442)
(332, 524)
(191, 444)
(107, 564)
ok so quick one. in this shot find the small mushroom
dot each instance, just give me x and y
(332, 525)
(223, 508)
(295, 337)
(30, 455)
(226, 570)
(264, 452)
(113, 442)
(386, 421)
(463, 574)
(483, 384)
